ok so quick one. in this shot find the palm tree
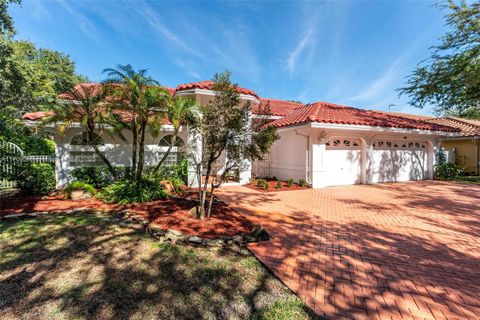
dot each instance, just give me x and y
(180, 111)
(85, 106)
(140, 96)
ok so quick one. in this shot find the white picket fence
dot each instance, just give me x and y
(10, 155)
(40, 159)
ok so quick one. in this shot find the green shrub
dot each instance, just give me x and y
(126, 191)
(179, 171)
(446, 171)
(279, 184)
(260, 183)
(79, 185)
(290, 182)
(99, 177)
(266, 185)
(302, 182)
(35, 178)
(177, 183)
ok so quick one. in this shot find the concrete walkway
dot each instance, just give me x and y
(387, 251)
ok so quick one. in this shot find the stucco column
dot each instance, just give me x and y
(62, 160)
(317, 156)
(432, 149)
(368, 159)
(194, 153)
(363, 162)
(246, 173)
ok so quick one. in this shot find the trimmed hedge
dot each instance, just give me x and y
(35, 178)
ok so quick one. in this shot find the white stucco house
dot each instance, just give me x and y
(325, 143)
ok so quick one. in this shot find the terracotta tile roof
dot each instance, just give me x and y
(207, 85)
(406, 115)
(34, 116)
(277, 107)
(325, 112)
(467, 127)
(93, 88)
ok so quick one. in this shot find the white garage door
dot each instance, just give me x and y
(342, 161)
(397, 160)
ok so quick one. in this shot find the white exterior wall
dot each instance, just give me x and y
(306, 155)
(117, 151)
(287, 158)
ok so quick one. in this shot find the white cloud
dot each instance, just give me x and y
(189, 68)
(154, 20)
(296, 53)
(39, 11)
(85, 24)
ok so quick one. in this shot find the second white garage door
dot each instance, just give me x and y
(397, 160)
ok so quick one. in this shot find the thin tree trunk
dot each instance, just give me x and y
(91, 136)
(134, 147)
(203, 190)
(209, 212)
(164, 157)
(141, 152)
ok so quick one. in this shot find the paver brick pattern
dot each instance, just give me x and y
(386, 251)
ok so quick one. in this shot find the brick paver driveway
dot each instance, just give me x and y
(401, 251)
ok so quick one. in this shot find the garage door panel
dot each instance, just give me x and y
(392, 161)
(342, 161)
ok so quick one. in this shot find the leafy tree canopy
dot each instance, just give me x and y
(450, 78)
(6, 22)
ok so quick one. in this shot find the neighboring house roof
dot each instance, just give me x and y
(277, 107)
(407, 115)
(34, 116)
(208, 85)
(325, 112)
(467, 127)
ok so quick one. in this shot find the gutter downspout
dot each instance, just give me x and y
(308, 157)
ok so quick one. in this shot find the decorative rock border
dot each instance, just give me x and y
(129, 219)
(174, 236)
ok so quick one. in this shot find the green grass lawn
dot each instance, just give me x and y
(83, 267)
(468, 179)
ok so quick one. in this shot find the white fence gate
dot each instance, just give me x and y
(10, 156)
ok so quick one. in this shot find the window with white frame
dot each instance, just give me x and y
(343, 144)
(176, 153)
(79, 155)
(82, 139)
(388, 144)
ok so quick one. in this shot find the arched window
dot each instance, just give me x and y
(166, 141)
(176, 154)
(82, 139)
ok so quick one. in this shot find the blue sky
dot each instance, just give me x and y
(347, 52)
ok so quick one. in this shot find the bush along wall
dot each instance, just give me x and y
(35, 178)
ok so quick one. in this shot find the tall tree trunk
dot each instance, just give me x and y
(134, 147)
(165, 155)
(141, 151)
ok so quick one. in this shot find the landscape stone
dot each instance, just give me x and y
(195, 239)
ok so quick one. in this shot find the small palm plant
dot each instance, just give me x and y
(140, 96)
(84, 104)
(180, 111)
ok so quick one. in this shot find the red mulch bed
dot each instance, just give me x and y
(273, 186)
(170, 213)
